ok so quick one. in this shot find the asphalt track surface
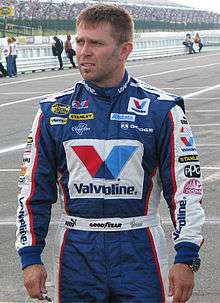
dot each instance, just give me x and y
(196, 77)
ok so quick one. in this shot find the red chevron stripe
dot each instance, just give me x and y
(89, 157)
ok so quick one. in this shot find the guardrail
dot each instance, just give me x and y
(37, 56)
(40, 57)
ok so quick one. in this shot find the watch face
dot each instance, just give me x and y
(195, 265)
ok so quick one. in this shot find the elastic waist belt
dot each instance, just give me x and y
(109, 224)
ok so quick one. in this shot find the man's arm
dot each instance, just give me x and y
(182, 189)
(37, 185)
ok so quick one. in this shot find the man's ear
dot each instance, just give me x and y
(126, 49)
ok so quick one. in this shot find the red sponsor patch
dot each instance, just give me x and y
(193, 187)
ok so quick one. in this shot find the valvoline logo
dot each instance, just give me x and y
(109, 168)
(80, 104)
(138, 106)
(187, 141)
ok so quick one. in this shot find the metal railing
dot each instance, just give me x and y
(37, 56)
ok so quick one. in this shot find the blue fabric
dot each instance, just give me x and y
(9, 61)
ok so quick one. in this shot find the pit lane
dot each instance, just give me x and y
(197, 77)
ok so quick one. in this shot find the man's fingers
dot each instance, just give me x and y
(34, 280)
(43, 283)
(33, 288)
(177, 296)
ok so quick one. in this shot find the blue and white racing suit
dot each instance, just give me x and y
(110, 153)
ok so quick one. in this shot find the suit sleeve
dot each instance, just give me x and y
(182, 184)
(37, 192)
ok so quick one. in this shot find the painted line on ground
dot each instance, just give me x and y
(204, 125)
(12, 148)
(201, 98)
(2, 170)
(178, 70)
(24, 100)
(202, 91)
(25, 93)
(213, 177)
(135, 65)
(155, 74)
(208, 145)
(203, 110)
(37, 79)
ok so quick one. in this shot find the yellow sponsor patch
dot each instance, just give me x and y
(30, 140)
(23, 170)
(60, 109)
(78, 117)
(58, 121)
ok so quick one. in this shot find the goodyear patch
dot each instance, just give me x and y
(79, 117)
(60, 109)
(58, 121)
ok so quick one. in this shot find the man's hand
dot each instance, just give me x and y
(181, 283)
(34, 280)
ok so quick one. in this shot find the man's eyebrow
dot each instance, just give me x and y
(89, 39)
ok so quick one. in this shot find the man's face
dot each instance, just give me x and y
(98, 55)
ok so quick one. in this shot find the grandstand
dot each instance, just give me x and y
(52, 15)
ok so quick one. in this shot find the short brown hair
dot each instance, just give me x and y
(120, 20)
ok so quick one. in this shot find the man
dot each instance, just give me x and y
(188, 42)
(57, 49)
(110, 143)
(70, 52)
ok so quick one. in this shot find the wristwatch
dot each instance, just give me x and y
(195, 265)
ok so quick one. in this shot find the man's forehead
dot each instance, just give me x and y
(98, 26)
(99, 29)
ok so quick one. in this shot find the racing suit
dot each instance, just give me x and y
(109, 153)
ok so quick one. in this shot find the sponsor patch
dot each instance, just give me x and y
(138, 106)
(126, 126)
(60, 109)
(192, 171)
(23, 170)
(30, 140)
(193, 187)
(187, 139)
(122, 117)
(142, 129)
(22, 223)
(81, 128)
(184, 121)
(78, 117)
(80, 104)
(188, 158)
(58, 120)
(181, 218)
(107, 169)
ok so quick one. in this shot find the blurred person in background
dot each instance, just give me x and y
(197, 39)
(188, 42)
(8, 56)
(111, 144)
(57, 49)
(14, 56)
(70, 52)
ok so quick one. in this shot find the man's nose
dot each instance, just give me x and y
(86, 50)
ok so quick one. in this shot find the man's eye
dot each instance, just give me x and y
(79, 42)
